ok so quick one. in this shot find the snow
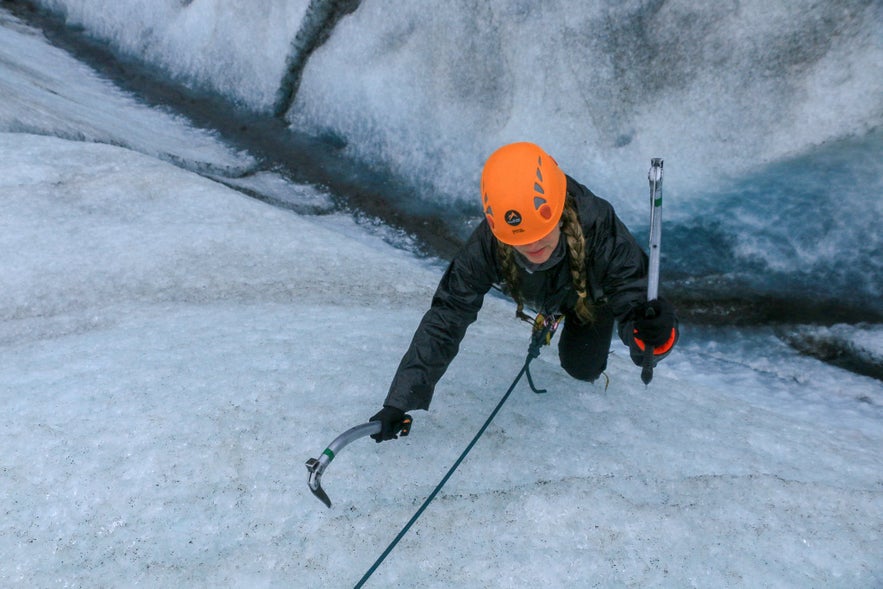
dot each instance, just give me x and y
(40, 96)
(173, 350)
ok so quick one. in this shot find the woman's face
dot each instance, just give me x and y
(539, 251)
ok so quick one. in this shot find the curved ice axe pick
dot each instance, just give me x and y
(655, 177)
(317, 466)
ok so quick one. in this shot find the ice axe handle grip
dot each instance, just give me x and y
(655, 177)
(647, 366)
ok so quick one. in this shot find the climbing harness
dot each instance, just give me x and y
(544, 327)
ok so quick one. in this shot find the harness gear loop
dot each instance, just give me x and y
(544, 327)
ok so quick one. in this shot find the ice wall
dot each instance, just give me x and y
(235, 47)
(429, 89)
(748, 101)
(717, 88)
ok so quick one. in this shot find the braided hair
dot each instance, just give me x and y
(572, 231)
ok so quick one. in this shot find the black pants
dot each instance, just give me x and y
(583, 349)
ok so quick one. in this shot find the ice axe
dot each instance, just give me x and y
(317, 466)
(655, 178)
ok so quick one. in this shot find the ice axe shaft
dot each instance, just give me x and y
(317, 466)
(655, 178)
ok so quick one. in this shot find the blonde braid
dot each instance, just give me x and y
(576, 245)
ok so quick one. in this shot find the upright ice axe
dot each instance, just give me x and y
(655, 177)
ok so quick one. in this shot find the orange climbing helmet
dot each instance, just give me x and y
(522, 193)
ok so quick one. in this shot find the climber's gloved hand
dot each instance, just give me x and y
(393, 422)
(653, 324)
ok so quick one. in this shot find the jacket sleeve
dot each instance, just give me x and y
(455, 305)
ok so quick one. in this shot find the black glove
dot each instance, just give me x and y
(391, 421)
(659, 331)
(654, 322)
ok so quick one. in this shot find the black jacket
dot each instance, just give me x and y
(616, 271)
